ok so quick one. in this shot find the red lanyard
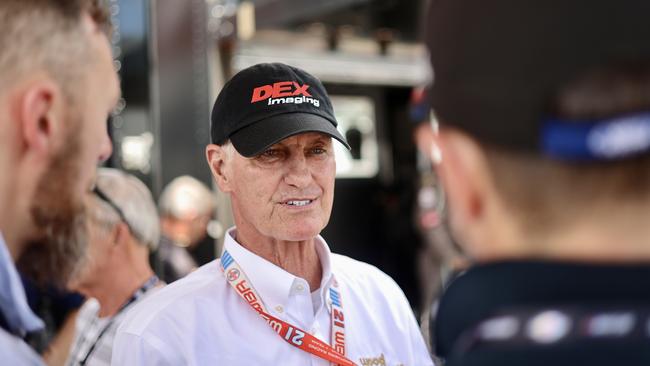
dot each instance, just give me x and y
(292, 334)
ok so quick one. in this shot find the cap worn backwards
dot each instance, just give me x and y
(497, 64)
(266, 103)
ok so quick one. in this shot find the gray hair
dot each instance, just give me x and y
(186, 196)
(134, 199)
(228, 150)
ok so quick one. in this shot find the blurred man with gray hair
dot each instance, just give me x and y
(186, 207)
(123, 228)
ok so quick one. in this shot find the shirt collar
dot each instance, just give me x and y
(270, 281)
(13, 301)
(324, 254)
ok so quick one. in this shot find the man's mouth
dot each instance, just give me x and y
(298, 203)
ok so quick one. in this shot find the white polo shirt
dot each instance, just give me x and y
(201, 320)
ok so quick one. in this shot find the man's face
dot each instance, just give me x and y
(187, 231)
(101, 93)
(286, 192)
(57, 208)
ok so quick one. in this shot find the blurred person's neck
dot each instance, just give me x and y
(618, 235)
(7, 167)
(299, 258)
(15, 202)
(11, 228)
(117, 287)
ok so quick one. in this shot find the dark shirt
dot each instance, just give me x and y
(53, 305)
(523, 289)
(171, 261)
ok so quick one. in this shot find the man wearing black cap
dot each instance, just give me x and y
(545, 138)
(277, 296)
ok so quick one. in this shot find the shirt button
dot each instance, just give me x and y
(300, 287)
(279, 309)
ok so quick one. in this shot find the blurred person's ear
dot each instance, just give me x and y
(475, 210)
(120, 234)
(39, 113)
(216, 156)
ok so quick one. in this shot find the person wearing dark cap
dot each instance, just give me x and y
(277, 296)
(544, 109)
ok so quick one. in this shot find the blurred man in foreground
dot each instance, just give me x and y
(57, 88)
(545, 140)
(278, 296)
(123, 229)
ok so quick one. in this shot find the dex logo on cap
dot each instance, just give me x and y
(284, 92)
(278, 90)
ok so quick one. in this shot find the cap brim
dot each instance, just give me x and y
(254, 139)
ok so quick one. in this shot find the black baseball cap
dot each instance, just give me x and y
(268, 102)
(498, 63)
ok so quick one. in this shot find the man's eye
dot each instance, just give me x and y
(271, 153)
(318, 151)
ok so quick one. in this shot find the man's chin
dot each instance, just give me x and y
(58, 248)
(303, 233)
(56, 256)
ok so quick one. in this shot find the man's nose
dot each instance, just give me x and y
(299, 172)
(106, 148)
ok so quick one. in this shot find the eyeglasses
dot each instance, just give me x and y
(115, 207)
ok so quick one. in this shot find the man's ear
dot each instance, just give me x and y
(120, 233)
(468, 185)
(216, 157)
(38, 111)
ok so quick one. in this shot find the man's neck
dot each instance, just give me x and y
(16, 189)
(299, 258)
(11, 242)
(118, 289)
(15, 243)
(620, 237)
(603, 246)
(9, 223)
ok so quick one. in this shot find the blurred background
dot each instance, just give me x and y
(174, 56)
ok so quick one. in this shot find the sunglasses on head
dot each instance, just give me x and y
(97, 191)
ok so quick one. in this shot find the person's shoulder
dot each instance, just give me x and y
(174, 299)
(379, 308)
(603, 352)
(16, 352)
